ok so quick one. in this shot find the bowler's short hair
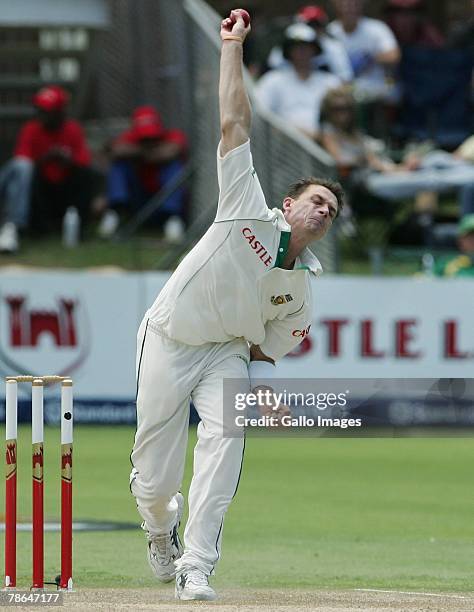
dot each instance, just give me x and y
(300, 186)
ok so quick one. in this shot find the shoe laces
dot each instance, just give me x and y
(197, 577)
(162, 544)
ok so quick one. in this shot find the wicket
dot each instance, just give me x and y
(37, 438)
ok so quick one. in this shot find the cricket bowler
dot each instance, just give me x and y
(236, 304)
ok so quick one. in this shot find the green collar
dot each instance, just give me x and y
(306, 258)
(282, 248)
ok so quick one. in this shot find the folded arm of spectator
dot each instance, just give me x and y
(124, 150)
(389, 58)
(330, 143)
(381, 164)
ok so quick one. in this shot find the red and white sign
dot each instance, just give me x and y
(84, 324)
(388, 328)
(78, 324)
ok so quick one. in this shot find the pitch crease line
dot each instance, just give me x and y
(415, 593)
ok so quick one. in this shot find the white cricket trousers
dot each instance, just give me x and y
(169, 375)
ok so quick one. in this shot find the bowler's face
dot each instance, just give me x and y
(312, 212)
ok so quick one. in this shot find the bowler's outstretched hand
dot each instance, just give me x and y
(237, 24)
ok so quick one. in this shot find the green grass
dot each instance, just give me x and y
(312, 513)
(133, 254)
(391, 266)
(144, 253)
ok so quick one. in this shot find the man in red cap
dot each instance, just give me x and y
(145, 158)
(49, 171)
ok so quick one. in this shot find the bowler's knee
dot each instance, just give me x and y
(150, 492)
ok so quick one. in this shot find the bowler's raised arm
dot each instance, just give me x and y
(235, 113)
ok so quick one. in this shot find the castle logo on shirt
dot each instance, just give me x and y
(257, 246)
(301, 333)
(278, 300)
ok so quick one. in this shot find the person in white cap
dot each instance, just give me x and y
(218, 317)
(296, 89)
(332, 55)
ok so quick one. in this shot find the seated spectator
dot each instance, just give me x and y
(340, 136)
(463, 264)
(145, 158)
(409, 22)
(49, 172)
(295, 91)
(465, 153)
(437, 171)
(372, 49)
(333, 57)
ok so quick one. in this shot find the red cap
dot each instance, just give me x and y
(146, 123)
(52, 98)
(311, 13)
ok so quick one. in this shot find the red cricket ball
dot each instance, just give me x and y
(243, 13)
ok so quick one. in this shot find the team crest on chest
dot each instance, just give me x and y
(278, 300)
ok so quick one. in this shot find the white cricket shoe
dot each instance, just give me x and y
(164, 550)
(8, 238)
(194, 584)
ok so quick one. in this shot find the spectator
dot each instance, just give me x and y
(437, 171)
(372, 49)
(49, 172)
(351, 149)
(145, 158)
(295, 91)
(410, 24)
(333, 57)
(462, 264)
(465, 153)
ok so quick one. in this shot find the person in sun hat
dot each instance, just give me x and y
(144, 158)
(332, 55)
(295, 91)
(48, 173)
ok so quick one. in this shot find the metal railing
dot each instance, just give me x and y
(281, 154)
(166, 52)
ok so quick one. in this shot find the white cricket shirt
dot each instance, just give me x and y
(230, 284)
(371, 37)
(297, 101)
